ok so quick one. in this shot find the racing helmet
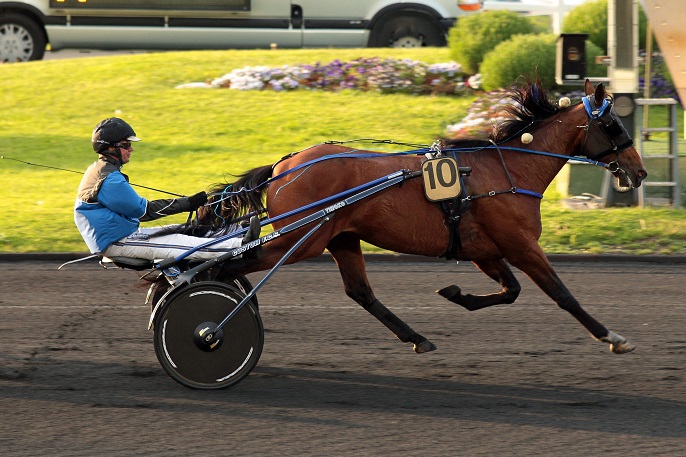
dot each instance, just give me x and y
(110, 131)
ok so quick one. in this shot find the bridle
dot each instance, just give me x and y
(613, 137)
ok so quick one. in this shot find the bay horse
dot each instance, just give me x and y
(504, 227)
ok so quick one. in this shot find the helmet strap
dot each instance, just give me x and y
(116, 155)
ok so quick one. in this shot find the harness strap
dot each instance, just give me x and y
(507, 172)
(454, 209)
(226, 193)
(533, 151)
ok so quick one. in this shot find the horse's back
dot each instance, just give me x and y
(399, 218)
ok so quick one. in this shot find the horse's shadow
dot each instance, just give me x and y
(290, 391)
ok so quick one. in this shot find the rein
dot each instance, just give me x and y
(610, 129)
(226, 193)
(80, 173)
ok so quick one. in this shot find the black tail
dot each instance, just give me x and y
(234, 200)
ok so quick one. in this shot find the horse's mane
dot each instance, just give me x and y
(528, 103)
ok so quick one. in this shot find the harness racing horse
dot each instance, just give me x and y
(503, 226)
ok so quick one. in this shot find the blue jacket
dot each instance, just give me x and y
(107, 208)
(114, 215)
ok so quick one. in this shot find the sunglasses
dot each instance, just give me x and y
(126, 146)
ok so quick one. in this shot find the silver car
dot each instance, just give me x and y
(27, 26)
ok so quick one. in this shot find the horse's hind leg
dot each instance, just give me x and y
(536, 265)
(345, 249)
(499, 272)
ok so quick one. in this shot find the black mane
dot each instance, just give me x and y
(528, 103)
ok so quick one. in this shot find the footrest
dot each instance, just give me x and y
(132, 263)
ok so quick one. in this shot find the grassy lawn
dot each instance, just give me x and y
(196, 137)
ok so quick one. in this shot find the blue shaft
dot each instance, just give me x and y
(281, 261)
(323, 201)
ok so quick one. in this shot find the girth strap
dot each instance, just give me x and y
(454, 209)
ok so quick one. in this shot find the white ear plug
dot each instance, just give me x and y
(527, 138)
(564, 102)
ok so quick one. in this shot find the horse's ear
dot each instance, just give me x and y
(599, 94)
(588, 87)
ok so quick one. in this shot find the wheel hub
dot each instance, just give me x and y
(206, 339)
(408, 42)
(15, 43)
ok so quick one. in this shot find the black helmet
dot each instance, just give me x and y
(111, 131)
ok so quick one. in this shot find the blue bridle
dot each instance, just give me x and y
(598, 112)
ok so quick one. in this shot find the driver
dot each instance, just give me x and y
(108, 211)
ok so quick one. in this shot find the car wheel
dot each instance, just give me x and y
(407, 32)
(21, 39)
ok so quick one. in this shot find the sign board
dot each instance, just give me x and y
(441, 179)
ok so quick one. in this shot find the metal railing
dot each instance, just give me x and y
(671, 156)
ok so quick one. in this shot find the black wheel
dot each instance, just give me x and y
(21, 39)
(183, 324)
(407, 32)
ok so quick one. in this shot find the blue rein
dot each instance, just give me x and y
(588, 105)
(226, 193)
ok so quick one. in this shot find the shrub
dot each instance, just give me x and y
(594, 69)
(474, 36)
(530, 55)
(520, 55)
(591, 18)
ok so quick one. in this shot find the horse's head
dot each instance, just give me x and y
(606, 139)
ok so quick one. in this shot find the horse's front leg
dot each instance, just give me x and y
(535, 264)
(345, 249)
(497, 270)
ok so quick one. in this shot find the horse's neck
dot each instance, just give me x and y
(562, 136)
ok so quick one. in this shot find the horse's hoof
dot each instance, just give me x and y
(618, 344)
(452, 293)
(622, 348)
(424, 346)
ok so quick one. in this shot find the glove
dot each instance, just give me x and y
(197, 200)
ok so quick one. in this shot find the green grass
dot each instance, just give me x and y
(637, 231)
(196, 137)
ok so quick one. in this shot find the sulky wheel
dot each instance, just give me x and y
(196, 310)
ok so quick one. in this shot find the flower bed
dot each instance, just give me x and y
(368, 74)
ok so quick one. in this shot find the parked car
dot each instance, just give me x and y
(27, 26)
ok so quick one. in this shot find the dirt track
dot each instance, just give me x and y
(78, 373)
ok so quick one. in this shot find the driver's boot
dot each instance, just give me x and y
(252, 234)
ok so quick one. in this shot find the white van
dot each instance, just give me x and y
(27, 26)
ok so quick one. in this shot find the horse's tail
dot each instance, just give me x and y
(238, 199)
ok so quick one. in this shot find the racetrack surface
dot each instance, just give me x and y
(78, 373)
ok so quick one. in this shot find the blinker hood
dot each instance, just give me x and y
(606, 133)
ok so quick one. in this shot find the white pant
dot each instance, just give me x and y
(143, 245)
